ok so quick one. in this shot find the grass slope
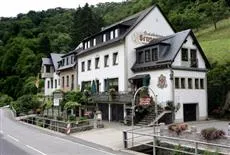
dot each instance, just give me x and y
(216, 43)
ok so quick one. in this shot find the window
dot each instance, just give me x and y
(48, 85)
(116, 33)
(189, 83)
(72, 59)
(106, 61)
(89, 65)
(51, 81)
(85, 85)
(72, 82)
(67, 61)
(197, 83)
(94, 42)
(63, 62)
(63, 82)
(85, 45)
(182, 83)
(201, 83)
(140, 57)
(111, 35)
(111, 83)
(67, 81)
(97, 63)
(83, 66)
(104, 37)
(47, 69)
(59, 82)
(55, 83)
(115, 58)
(147, 55)
(193, 58)
(184, 54)
(154, 54)
(88, 44)
(177, 84)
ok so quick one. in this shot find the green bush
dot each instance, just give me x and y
(72, 118)
(5, 100)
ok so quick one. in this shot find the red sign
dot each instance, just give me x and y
(145, 101)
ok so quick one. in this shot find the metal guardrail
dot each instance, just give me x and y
(150, 140)
(61, 126)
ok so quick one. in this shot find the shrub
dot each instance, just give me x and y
(178, 128)
(72, 118)
(5, 100)
(212, 133)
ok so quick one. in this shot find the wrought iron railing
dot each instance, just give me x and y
(123, 97)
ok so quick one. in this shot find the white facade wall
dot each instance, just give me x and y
(189, 45)
(153, 23)
(190, 96)
(112, 71)
(49, 91)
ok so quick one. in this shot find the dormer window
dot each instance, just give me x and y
(147, 55)
(94, 42)
(111, 35)
(88, 44)
(154, 54)
(116, 33)
(67, 61)
(72, 59)
(104, 37)
(47, 69)
(140, 57)
(184, 54)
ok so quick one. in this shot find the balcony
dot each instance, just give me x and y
(47, 75)
(118, 97)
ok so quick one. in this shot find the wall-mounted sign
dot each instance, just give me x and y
(162, 83)
(57, 97)
(144, 37)
(145, 100)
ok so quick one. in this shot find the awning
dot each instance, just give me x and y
(141, 76)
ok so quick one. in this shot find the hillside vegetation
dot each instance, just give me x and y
(216, 43)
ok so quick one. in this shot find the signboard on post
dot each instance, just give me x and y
(145, 100)
(57, 97)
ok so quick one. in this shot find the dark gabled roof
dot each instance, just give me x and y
(171, 45)
(136, 19)
(75, 51)
(46, 61)
(55, 58)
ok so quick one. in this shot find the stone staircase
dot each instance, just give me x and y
(148, 118)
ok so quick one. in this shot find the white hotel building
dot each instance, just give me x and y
(145, 45)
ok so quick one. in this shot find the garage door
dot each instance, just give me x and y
(117, 112)
(190, 112)
(104, 110)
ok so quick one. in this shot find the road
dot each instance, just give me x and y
(17, 138)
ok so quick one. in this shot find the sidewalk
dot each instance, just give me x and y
(109, 136)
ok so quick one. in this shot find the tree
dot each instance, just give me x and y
(85, 24)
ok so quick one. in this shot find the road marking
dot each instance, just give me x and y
(85, 146)
(13, 138)
(35, 149)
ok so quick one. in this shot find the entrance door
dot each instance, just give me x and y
(104, 111)
(117, 112)
(189, 112)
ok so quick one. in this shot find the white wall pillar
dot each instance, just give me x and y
(124, 108)
(110, 112)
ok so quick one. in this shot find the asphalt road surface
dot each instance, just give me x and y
(17, 138)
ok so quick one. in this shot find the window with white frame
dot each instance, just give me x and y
(182, 80)
(196, 83)
(106, 61)
(111, 35)
(104, 37)
(184, 54)
(89, 65)
(115, 58)
(201, 83)
(190, 83)
(83, 66)
(97, 66)
(177, 83)
(116, 33)
(94, 42)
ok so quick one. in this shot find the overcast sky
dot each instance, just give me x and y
(10, 8)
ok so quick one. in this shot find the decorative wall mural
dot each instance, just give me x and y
(162, 83)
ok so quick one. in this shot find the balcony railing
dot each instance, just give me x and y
(47, 75)
(118, 97)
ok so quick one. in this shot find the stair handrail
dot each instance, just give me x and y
(159, 117)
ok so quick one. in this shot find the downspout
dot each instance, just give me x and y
(172, 91)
